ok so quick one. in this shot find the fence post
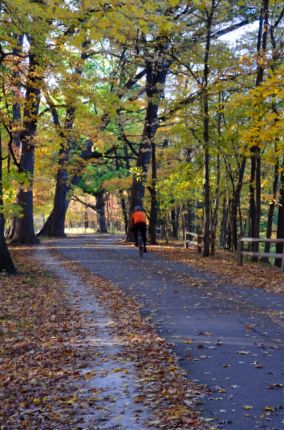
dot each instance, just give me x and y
(240, 249)
(185, 240)
(199, 242)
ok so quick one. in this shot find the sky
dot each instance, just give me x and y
(233, 37)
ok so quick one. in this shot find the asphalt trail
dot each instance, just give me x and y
(223, 335)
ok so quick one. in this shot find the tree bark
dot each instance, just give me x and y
(189, 217)
(214, 221)
(124, 210)
(62, 195)
(236, 204)
(6, 263)
(280, 222)
(175, 222)
(24, 224)
(206, 139)
(255, 174)
(100, 205)
(154, 203)
(275, 57)
(272, 207)
(224, 222)
(155, 81)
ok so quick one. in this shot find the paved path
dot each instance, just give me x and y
(223, 334)
(107, 385)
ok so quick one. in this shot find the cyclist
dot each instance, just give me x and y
(138, 223)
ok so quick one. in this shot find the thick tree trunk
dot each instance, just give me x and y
(155, 81)
(45, 228)
(57, 225)
(156, 73)
(24, 224)
(6, 263)
(54, 226)
(100, 206)
(57, 222)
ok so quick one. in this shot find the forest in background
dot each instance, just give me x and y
(142, 103)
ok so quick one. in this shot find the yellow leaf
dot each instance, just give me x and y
(248, 408)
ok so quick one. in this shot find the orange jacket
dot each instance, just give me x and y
(138, 216)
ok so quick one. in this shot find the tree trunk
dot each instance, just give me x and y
(276, 57)
(255, 175)
(24, 224)
(214, 217)
(272, 208)
(54, 226)
(154, 203)
(16, 92)
(224, 222)
(155, 81)
(175, 222)
(236, 204)
(189, 217)
(124, 210)
(6, 263)
(229, 237)
(86, 218)
(57, 224)
(280, 222)
(205, 107)
(100, 206)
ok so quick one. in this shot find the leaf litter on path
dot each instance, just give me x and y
(224, 264)
(55, 373)
(163, 387)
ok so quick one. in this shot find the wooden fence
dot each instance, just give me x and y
(195, 239)
(251, 240)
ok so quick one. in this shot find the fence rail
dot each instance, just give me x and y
(241, 252)
(195, 239)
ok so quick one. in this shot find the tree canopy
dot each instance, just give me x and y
(174, 105)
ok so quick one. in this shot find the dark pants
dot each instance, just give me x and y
(140, 226)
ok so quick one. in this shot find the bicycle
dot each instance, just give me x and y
(140, 244)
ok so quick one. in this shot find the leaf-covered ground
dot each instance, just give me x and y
(42, 354)
(224, 264)
(162, 384)
(38, 350)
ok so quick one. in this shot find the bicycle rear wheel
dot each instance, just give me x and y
(140, 244)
